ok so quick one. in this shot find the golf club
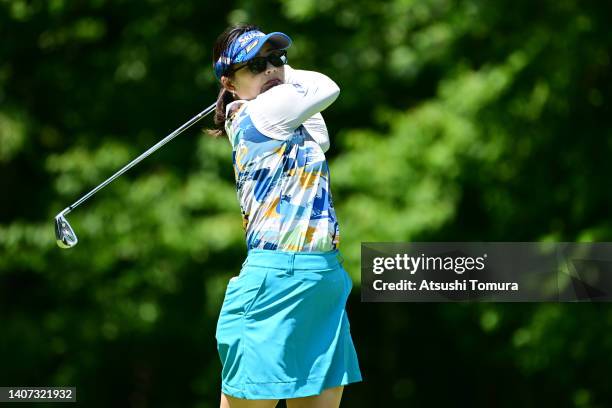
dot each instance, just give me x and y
(64, 234)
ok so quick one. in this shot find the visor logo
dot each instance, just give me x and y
(249, 36)
(251, 45)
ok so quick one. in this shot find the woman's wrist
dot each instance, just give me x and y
(300, 76)
(290, 75)
(307, 78)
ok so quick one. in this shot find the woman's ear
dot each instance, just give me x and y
(227, 84)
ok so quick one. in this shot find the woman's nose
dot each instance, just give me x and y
(270, 68)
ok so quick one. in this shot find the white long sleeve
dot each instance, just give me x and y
(279, 111)
(315, 125)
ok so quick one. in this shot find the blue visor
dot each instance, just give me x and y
(246, 47)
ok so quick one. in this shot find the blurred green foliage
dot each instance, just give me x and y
(461, 120)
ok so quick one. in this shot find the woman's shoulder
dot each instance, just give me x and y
(237, 119)
(232, 109)
(233, 112)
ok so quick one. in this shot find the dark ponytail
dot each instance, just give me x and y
(225, 96)
(224, 99)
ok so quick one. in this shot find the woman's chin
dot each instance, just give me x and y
(269, 85)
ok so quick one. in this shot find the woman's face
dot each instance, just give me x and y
(247, 85)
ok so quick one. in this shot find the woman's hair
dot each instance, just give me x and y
(225, 97)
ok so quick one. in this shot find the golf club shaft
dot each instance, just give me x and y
(137, 160)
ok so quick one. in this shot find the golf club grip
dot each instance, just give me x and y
(144, 155)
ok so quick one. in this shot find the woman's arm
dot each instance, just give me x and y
(279, 111)
(315, 125)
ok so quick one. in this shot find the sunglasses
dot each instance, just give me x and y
(259, 64)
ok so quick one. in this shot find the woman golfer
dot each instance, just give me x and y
(283, 332)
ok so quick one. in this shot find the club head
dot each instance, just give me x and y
(64, 235)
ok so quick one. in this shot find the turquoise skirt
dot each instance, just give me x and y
(283, 331)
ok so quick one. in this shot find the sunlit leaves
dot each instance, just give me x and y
(12, 135)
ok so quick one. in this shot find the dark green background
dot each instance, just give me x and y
(457, 121)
